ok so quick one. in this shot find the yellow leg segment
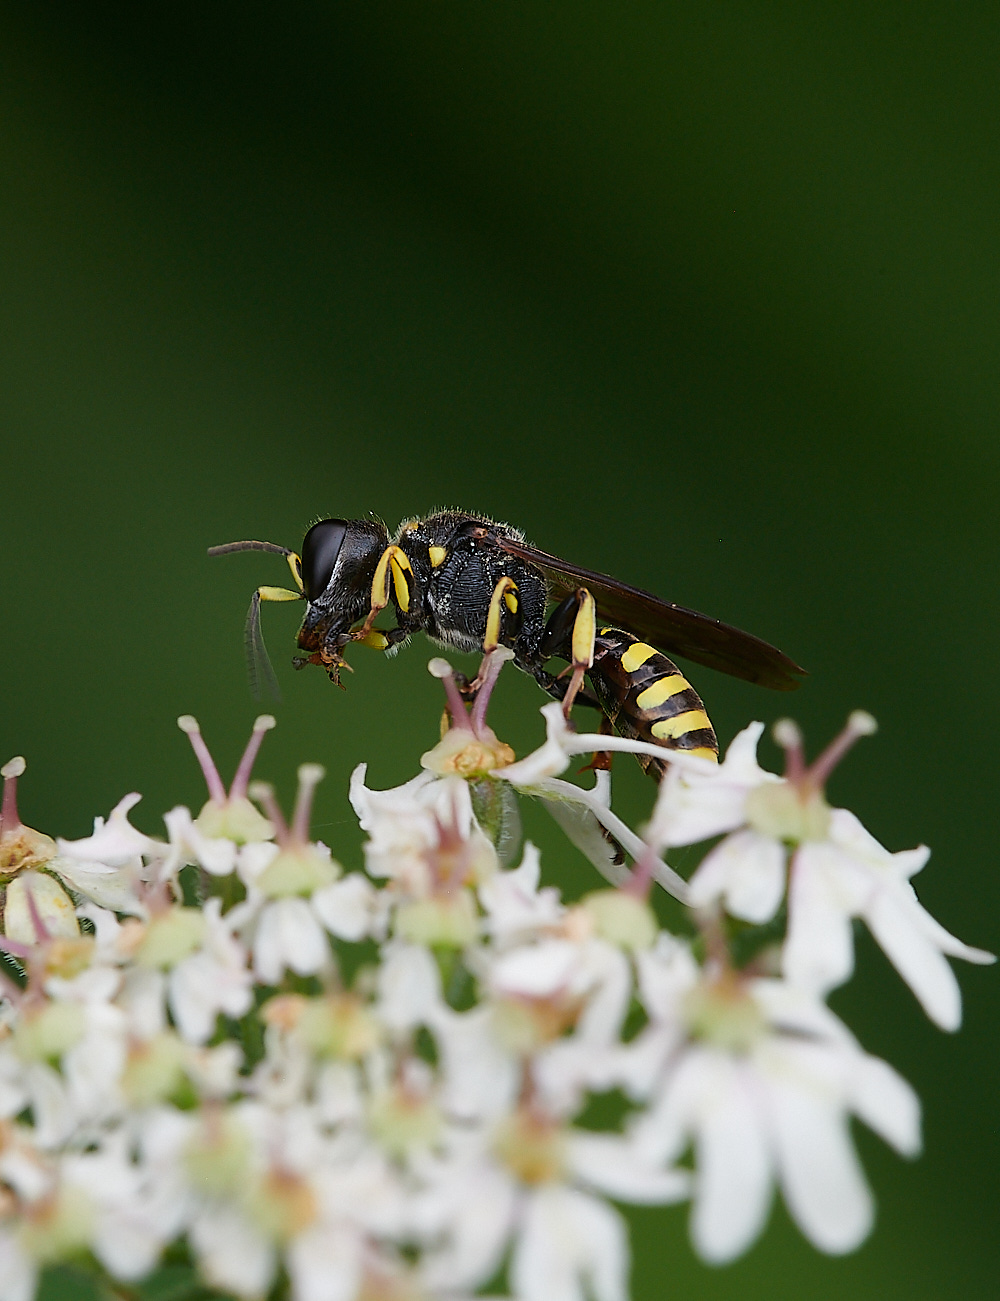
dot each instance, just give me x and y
(393, 565)
(503, 592)
(584, 635)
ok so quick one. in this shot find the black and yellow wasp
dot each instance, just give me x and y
(473, 584)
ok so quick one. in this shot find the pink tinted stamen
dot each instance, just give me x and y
(640, 880)
(441, 669)
(216, 790)
(264, 795)
(9, 818)
(788, 736)
(310, 775)
(241, 781)
(858, 725)
(15, 948)
(41, 930)
(489, 671)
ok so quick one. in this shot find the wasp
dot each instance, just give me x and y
(473, 584)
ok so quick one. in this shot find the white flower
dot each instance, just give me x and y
(851, 875)
(115, 842)
(107, 867)
(232, 1252)
(136, 1214)
(422, 835)
(762, 1080)
(189, 844)
(585, 815)
(699, 799)
(212, 980)
(528, 1184)
(351, 908)
(38, 908)
(288, 935)
(516, 909)
(836, 871)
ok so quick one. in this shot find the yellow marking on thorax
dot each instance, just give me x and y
(437, 555)
(636, 656)
(669, 729)
(661, 691)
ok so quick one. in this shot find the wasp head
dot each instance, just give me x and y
(339, 558)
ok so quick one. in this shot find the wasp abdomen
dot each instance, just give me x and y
(648, 698)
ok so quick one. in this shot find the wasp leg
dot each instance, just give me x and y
(394, 565)
(505, 593)
(571, 632)
(556, 686)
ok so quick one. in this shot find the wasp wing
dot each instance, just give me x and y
(669, 627)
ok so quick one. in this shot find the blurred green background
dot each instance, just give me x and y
(703, 296)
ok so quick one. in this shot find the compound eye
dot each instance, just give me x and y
(320, 549)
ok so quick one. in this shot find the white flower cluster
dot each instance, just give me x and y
(377, 1085)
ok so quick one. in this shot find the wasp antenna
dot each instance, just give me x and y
(227, 548)
(262, 679)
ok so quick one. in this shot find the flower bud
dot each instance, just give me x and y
(443, 921)
(621, 919)
(170, 937)
(53, 908)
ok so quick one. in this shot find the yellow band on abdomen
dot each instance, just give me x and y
(636, 656)
(661, 691)
(669, 729)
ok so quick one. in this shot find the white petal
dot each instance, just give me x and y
(114, 842)
(936, 933)
(479, 1078)
(571, 1246)
(215, 854)
(515, 904)
(613, 1165)
(586, 832)
(288, 935)
(821, 1179)
(608, 973)
(819, 949)
(53, 906)
(747, 869)
(536, 970)
(732, 1194)
(666, 973)
(325, 1264)
(663, 1131)
(54, 1118)
(18, 1273)
(200, 987)
(126, 1241)
(232, 1253)
(550, 759)
(409, 986)
(698, 799)
(921, 964)
(886, 1103)
(346, 907)
(850, 835)
(476, 1212)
